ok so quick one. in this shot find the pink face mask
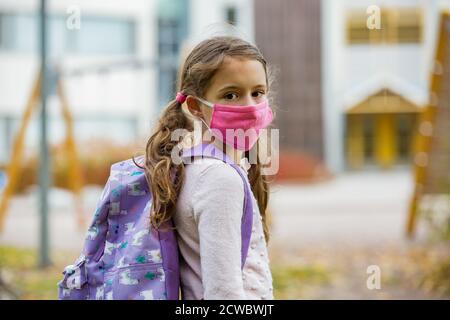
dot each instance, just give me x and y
(237, 126)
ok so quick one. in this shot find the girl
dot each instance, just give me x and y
(206, 199)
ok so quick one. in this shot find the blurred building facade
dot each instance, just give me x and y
(376, 80)
(106, 93)
(288, 34)
(118, 68)
(347, 94)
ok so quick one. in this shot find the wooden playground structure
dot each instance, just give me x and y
(14, 165)
(432, 160)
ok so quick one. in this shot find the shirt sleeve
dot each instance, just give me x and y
(218, 204)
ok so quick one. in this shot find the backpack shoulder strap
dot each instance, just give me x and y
(209, 150)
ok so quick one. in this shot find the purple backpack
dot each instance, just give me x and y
(123, 257)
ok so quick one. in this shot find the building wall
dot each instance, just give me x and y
(352, 73)
(208, 17)
(289, 35)
(321, 76)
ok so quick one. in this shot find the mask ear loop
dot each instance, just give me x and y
(207, 103)
(211, 105)
(181, 98)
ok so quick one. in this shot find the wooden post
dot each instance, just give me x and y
(14, 165)
(13, 168)
(355, 141)
(385, 140)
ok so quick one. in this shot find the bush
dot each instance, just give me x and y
(300, 168)
(95, 159)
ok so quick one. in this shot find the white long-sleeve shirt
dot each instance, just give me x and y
(208, 221)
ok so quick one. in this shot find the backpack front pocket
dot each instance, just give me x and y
(136, 282)
(74, 284)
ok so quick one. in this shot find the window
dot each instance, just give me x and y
(172, 29)
(369, 137)
(401, 25)
(97, 35)
(405, 125)
(168, 48)
(102, 36)
(231, 15)
(13, 25)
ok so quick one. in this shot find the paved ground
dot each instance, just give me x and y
(332, 231)
(354, 208)
(363, 209)
(21, 227)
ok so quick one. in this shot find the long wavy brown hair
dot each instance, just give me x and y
(193, 79)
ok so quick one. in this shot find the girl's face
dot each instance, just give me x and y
(237, 82)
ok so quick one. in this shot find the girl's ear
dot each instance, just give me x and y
(194, 106)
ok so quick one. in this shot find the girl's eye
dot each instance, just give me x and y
(229, 96)
(261, 92)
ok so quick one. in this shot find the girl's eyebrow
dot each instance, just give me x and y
(237, 87)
